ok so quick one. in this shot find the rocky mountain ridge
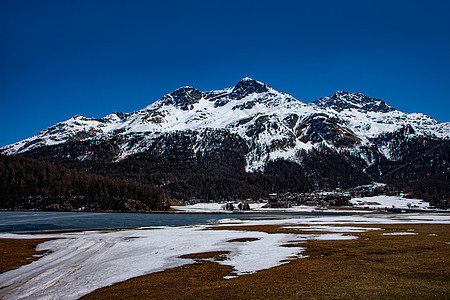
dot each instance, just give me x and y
(269, 125)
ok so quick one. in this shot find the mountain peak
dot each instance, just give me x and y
(247, 86)
(343, 93)
(345, 100)
(247, 79)
(183, 97)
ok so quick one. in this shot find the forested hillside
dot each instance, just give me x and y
(28, 184)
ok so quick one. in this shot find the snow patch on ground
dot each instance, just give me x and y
(255, 207)
(201, 207)
(389, 202)
(314, 221)
(400, 233)
(332, 228)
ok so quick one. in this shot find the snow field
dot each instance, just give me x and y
(400, 233)
(389, 202)
(81, 263)
(375, 202)
(346, 229)
(255, 207)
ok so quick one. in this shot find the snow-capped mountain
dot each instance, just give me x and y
(274, 125)
(338, 141)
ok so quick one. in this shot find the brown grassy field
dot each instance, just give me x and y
(17, 252)
(374, 266)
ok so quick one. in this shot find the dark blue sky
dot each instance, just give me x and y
(63, 58)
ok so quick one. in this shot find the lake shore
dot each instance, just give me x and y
(377, 204)
(312, 211)
(382, 261)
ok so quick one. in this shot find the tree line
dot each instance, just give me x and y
(29, 184)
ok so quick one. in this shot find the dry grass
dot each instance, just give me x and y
(15, 253)
(175, 283)
(374, 266)
(215, 255)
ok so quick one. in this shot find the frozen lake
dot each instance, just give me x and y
(17, 221)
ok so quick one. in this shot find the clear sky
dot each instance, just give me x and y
(63, 58)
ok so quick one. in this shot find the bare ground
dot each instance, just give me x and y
(17, 252)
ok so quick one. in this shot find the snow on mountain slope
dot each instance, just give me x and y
(273, 124)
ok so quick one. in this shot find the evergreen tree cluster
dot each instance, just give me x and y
(28, 184)
(436, 190)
